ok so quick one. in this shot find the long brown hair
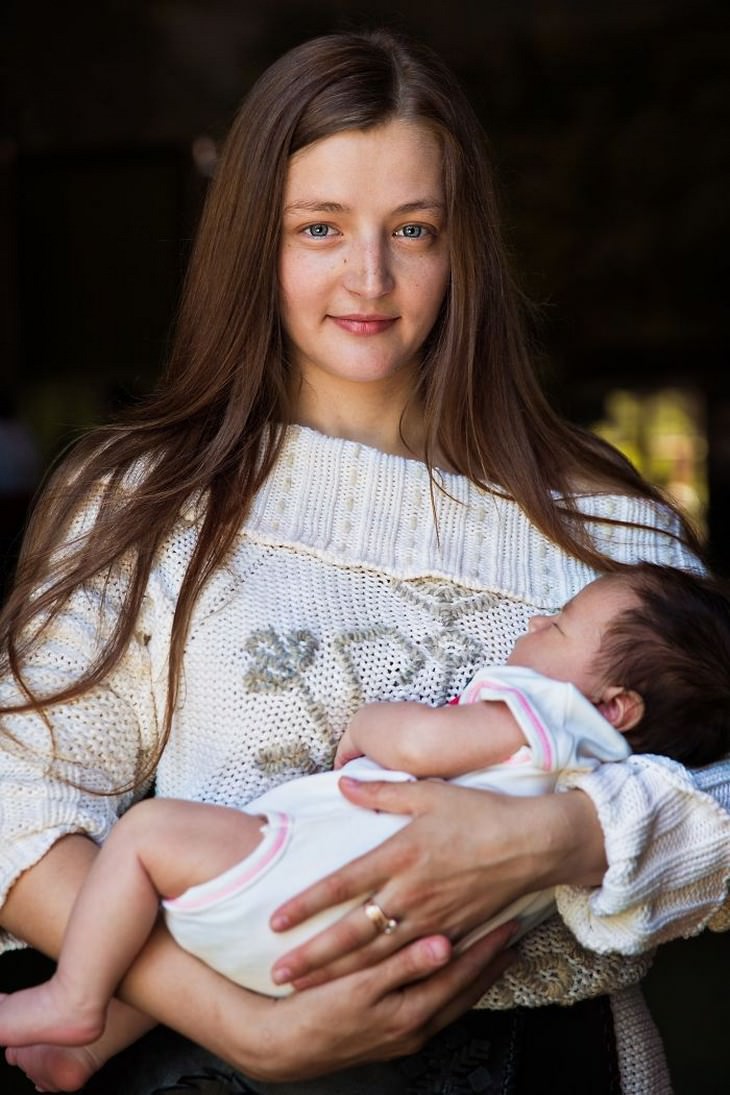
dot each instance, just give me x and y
(213, 428)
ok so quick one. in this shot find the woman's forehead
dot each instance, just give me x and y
(403, 158)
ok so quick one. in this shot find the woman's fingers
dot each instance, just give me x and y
(350, 944)
(416, 962)
(327, 961)
(366, 1017)
(403, 876)
(354, 941)
(471, 974)
(357, 960)
(424, 1004)
(393, 797)
(388, 1010)
(354, 932)
(362, 875)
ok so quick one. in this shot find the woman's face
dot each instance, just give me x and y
(364, 257)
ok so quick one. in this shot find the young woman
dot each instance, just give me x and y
(347, 488)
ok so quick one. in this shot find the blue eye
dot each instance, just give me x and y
(412, 231)
(318, 231)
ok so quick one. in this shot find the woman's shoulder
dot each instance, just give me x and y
(78, 503)
(638, 514)
(608, 503)
(345, 504)
(630, 528)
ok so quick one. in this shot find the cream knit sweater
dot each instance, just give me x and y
(342, 589)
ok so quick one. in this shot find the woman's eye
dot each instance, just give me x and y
(318, 231)
(412, 231)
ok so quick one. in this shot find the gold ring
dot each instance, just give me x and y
(382, 923)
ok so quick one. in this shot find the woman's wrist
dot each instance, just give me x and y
(569, 848)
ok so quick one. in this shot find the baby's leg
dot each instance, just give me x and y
(67, 1068)
(159, 849)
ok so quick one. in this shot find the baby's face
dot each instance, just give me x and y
(565, 646)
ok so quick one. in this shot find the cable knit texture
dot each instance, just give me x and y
(343, 589)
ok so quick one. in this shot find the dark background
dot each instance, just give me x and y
(608, 121)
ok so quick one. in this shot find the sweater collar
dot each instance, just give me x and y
(357, 506)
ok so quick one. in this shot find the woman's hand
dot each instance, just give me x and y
(387, 1011)
(464, 857)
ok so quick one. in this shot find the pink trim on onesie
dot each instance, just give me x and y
(275, 837)
(471, 695)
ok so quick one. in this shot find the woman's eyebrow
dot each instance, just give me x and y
(316, 205)
(321, 205)
(421, 204)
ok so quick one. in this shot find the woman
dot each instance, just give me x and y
(303, 518)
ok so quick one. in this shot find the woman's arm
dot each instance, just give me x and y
(383, 1012)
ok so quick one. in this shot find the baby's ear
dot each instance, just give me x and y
(622, 707)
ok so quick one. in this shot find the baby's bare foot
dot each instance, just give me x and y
(55, 1068)
(48, 1013)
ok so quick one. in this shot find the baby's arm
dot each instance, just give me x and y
(432, 741)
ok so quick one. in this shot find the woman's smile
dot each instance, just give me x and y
(364, 325)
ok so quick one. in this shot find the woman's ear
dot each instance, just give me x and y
(622, 707)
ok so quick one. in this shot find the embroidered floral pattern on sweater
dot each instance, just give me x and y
(279, 661)
(278, 658)
(375, 661)
(357, 651)
(444, 600)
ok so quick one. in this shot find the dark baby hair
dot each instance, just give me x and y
(674, 650)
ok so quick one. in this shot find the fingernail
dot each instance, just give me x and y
(281, 975)
(438, 949)
(349, 781)
(279, 922)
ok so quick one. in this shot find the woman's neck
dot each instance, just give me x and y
(380, 416)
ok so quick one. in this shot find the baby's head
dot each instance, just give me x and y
(650, 647)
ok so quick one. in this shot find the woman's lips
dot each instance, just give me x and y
(364, 325)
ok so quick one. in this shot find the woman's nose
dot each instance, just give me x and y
(368, 273)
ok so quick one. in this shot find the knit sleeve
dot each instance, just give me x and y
(667, 833)
(58, 773)
(668, 850)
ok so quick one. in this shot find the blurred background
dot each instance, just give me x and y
(609, 127)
